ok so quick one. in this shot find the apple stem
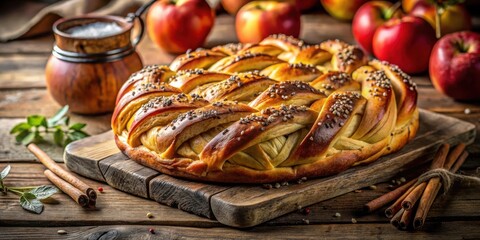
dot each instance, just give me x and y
(438, 25)
(391, 10)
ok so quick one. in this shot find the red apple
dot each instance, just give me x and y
(304, 5)
(232, 6)
(368, 18)
(342, 9)
(455, 65)
(260, 19)
(407, 5)
(454, 18)
(406, 42)
(177, 26)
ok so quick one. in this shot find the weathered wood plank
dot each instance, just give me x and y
(95, 150)
(22, 71)
(460, 203)
(10, 151)
(245, 206)
(187, 195)
(113, 206)
(116, 207)
(438, 230)
(130, 177)
(22, 103)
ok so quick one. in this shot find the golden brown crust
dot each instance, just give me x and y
(342, 112)
(187, 80)
(244, 62)
(312, 55)
(201, 58)
(346, 58)
(240, 87)
(194, 122)
(287, 93)
(160, 111)
(132, 100)
(335, 81)
(292, 72)
(149, 74)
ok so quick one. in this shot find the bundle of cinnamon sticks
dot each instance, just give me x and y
(79, 191)
(413, 200)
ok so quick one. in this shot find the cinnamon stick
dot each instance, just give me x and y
(395, 221)
(414, 195)
(397, 205)
(67, 188)
(379, 202)
(437, 162)
(459, 162)
(406, 219)
(59, 171)
(433, 187)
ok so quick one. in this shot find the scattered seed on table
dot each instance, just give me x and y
(277, 185)
(354, 220)
(338, 214)
(151, 230)
(467, 111)
(306, 221)
(402, 179)
(100, 189)
(373, 187)
(61, 232)
(358, 191)
(149, 215)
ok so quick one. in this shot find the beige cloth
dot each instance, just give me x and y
(26, 18)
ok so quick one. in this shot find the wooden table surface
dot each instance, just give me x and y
(120, 215)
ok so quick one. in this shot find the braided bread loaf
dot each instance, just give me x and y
(268, 112)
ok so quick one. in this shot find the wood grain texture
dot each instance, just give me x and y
(10, 151)
(94, 150)
(21, 71)
(438, 230)
(193, 197)
(130, 177)
(113, 206)
(247, 205)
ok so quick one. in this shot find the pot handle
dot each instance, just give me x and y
(138, 15)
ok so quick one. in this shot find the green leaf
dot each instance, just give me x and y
(44, 191)
(78, 126)
(5, 172)
(36, 120)
(58, 116)
(38, 138)
(20, 127)
(77, 135)
(28, 138)
(22, 135)
(67, 141)
(58, 137)
(29, 202)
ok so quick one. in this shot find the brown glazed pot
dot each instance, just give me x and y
(87, 73)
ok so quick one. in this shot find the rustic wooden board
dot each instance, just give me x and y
(249, 205)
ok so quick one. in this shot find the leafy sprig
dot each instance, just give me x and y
(30, 197)
(36, 126)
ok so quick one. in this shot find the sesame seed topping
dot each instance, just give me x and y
(289, 39)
